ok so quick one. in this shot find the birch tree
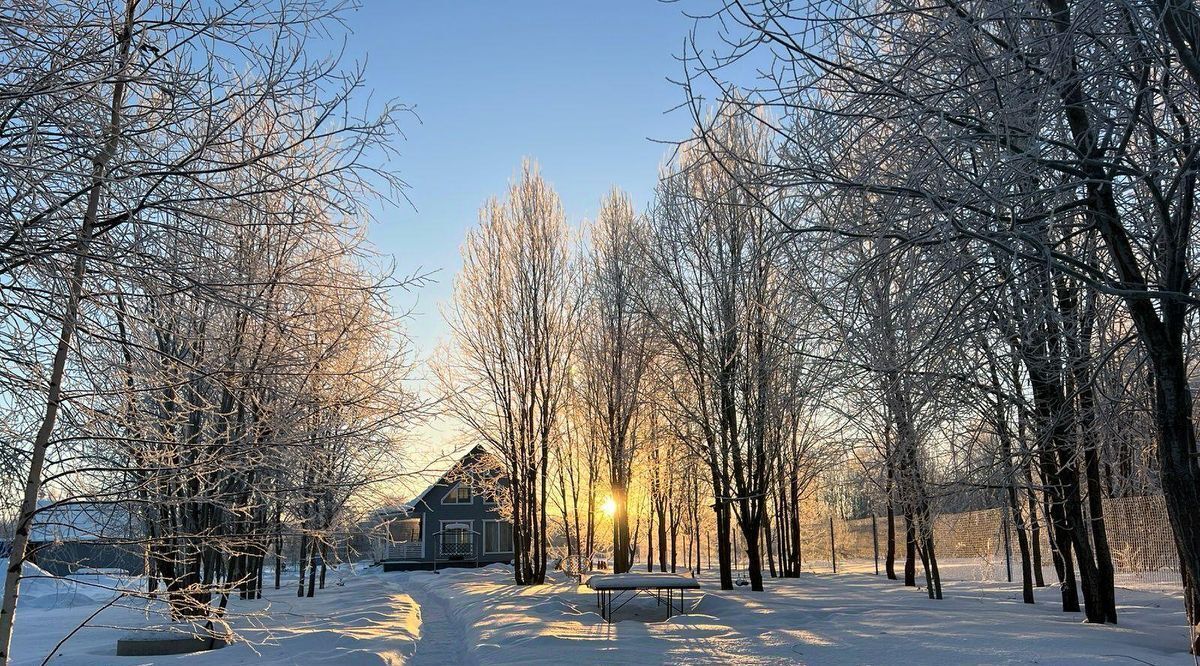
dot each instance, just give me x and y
(1023, 129)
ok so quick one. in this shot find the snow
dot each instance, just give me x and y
(43, 590)
(627, 581)
(820, 619)
(78, 521)
(365, 621)
(465, 616)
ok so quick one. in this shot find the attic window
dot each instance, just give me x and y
(460, 494)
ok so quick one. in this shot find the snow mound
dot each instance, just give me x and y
(42, 589)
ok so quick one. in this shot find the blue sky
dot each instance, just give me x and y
(579, 86)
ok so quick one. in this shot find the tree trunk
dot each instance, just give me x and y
(662, 539)
(312, 567)
(674, 539)
(724, 546)
(890, 561)
(278, 553)
(910, 553)
(650, 540)
(324, 558)
(1014, 508)
(20, 544)
(754, 556)
(621, 561)
(301, 563)
(1014, 503)
(766, 535)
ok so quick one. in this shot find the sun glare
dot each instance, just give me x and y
(609, 507)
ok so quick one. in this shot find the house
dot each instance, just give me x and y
(68, 536)
(455, 522)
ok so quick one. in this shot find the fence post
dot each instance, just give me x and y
(1007, 545)
(832, 546)
(875, 542)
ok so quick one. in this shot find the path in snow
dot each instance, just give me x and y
(369, 618)
(442, 638)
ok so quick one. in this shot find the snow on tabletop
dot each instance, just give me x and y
(641, 580)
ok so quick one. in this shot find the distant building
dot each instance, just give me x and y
(454, 523)
(68, 536)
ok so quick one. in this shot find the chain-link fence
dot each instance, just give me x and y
(982, 545)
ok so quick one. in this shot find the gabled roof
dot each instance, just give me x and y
(411, 504)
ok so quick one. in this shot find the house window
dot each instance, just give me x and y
(406, 530)
(460, 494)
(497, 536)
(407, 540)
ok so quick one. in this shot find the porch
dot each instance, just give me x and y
(405, 540)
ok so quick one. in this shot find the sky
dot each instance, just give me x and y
(581, 87)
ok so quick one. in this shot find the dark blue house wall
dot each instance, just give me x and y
(435, 513)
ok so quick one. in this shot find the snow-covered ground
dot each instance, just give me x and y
(818, 619)
(480, 617)
(365, 620)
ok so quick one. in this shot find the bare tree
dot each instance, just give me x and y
(615, 350)
(132, 133)
(1049, 146)
(718, 290)
(513, 327)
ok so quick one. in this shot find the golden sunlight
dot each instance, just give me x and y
(609, 507)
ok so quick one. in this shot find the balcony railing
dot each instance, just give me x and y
(456, 549)
(405, 550)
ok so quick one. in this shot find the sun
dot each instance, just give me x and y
(609, 507)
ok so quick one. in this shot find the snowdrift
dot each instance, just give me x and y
(42, 589)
